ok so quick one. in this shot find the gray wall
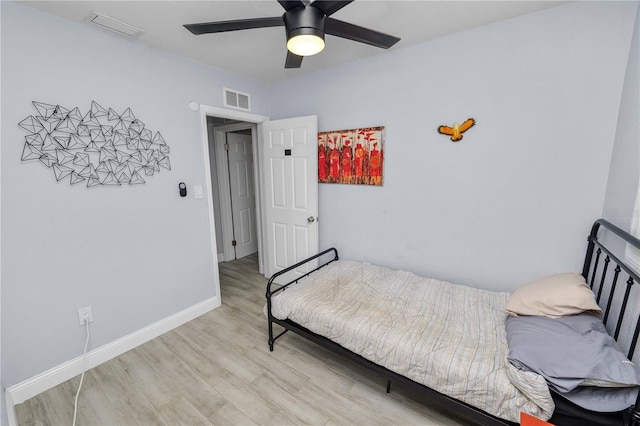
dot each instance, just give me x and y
(624, 172)
(211, 123)
(515, 198)
(135, 254)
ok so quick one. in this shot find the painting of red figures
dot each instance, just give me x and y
(351, 156)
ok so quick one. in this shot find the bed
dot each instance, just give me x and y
(481, 354)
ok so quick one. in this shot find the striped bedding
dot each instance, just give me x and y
(448, 337)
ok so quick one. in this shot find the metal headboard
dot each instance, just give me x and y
(600, 279)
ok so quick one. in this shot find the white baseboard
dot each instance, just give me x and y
(29, 388)
(11, 410)
(220, 257)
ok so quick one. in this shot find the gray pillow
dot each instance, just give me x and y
(576, 356)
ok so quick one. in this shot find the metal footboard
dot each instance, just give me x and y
(283, 287)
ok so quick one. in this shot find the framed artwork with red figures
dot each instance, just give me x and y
(353, 156)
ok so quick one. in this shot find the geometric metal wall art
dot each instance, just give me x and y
(99, 148)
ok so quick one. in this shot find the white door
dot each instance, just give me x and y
(290, 167)
(243, 200)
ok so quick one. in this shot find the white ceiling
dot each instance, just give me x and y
(260, 53)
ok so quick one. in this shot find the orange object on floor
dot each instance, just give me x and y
(529, 420)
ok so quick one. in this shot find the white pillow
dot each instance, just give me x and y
(554, 296)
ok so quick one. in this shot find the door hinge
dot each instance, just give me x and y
(226, 147)
(233, 243)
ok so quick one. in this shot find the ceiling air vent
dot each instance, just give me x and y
(235, 99)
(114, 25)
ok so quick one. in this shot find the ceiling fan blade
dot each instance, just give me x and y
(363, 35)
(235, 25)
(330, 7)
(290, 4)
(293, 60)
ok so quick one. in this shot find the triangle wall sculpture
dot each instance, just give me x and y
(97, 148)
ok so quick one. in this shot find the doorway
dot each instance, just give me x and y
(285, 174)
(224, 116)
(231, 150)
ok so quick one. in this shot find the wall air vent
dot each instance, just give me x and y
(114, 25)
(234, 99)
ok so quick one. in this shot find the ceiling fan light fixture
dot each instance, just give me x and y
(305, 44)
(305, 30)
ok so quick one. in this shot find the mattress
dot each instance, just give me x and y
(448, 337)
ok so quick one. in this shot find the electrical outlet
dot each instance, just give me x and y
(85, 315)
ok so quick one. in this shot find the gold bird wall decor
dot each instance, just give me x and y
(457, 130)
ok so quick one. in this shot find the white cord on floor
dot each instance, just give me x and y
(84, 358)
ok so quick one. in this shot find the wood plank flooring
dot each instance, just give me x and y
(217, 369)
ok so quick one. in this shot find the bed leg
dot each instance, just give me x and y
(635, 417)
(634, 413)
(271, 339)
(388, 385)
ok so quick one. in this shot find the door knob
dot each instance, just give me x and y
(311, 219)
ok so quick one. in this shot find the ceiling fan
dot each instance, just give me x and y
(306, 24)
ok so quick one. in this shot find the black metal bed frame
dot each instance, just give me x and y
(590, 272)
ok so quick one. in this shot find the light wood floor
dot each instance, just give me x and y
(217, 369)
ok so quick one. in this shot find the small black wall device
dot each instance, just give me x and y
(183, 189)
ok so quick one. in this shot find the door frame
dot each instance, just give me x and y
(257, 120)
(226, 219)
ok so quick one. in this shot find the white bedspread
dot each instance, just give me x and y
(448, 337)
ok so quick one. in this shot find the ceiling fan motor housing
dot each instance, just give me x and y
(304, 21)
